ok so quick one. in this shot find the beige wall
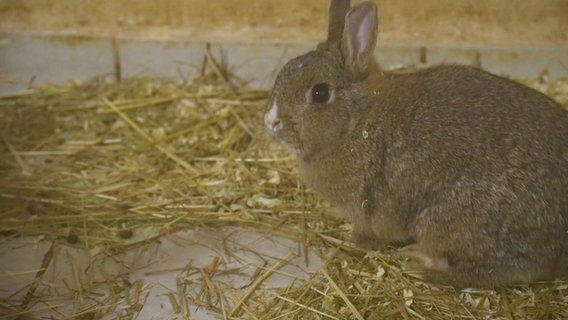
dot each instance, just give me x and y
(426, 21)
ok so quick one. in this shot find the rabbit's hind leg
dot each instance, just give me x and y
(432, 268)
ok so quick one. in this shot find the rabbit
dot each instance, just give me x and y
(465, 171)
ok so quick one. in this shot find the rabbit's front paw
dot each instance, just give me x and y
(420, 261)
(366, 239)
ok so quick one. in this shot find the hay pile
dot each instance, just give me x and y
(91, 164)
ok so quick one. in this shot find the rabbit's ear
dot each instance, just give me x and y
(337, 11)
(359, 38)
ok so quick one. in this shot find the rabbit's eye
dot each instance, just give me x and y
(321, 93)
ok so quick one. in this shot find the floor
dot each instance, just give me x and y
(162, 279)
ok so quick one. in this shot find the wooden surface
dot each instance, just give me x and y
(276, 21)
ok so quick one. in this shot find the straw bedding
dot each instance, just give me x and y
(90, 164)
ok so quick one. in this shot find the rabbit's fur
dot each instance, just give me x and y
(465, 170)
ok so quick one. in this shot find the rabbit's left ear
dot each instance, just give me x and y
(359, 39)
(337, 11)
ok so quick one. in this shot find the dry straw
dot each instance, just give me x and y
(91, 164)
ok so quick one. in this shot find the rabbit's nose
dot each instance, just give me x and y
(272, 123)
(271, 119)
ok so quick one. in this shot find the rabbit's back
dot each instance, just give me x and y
(463, 121)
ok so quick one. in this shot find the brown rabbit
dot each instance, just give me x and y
(467, 170)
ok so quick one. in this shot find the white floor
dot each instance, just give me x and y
(154, 273)
(34, 59)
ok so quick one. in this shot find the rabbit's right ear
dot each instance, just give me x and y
(359, 39)
(337, 11)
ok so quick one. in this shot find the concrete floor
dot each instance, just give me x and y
(155, 273)
(29, 60)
